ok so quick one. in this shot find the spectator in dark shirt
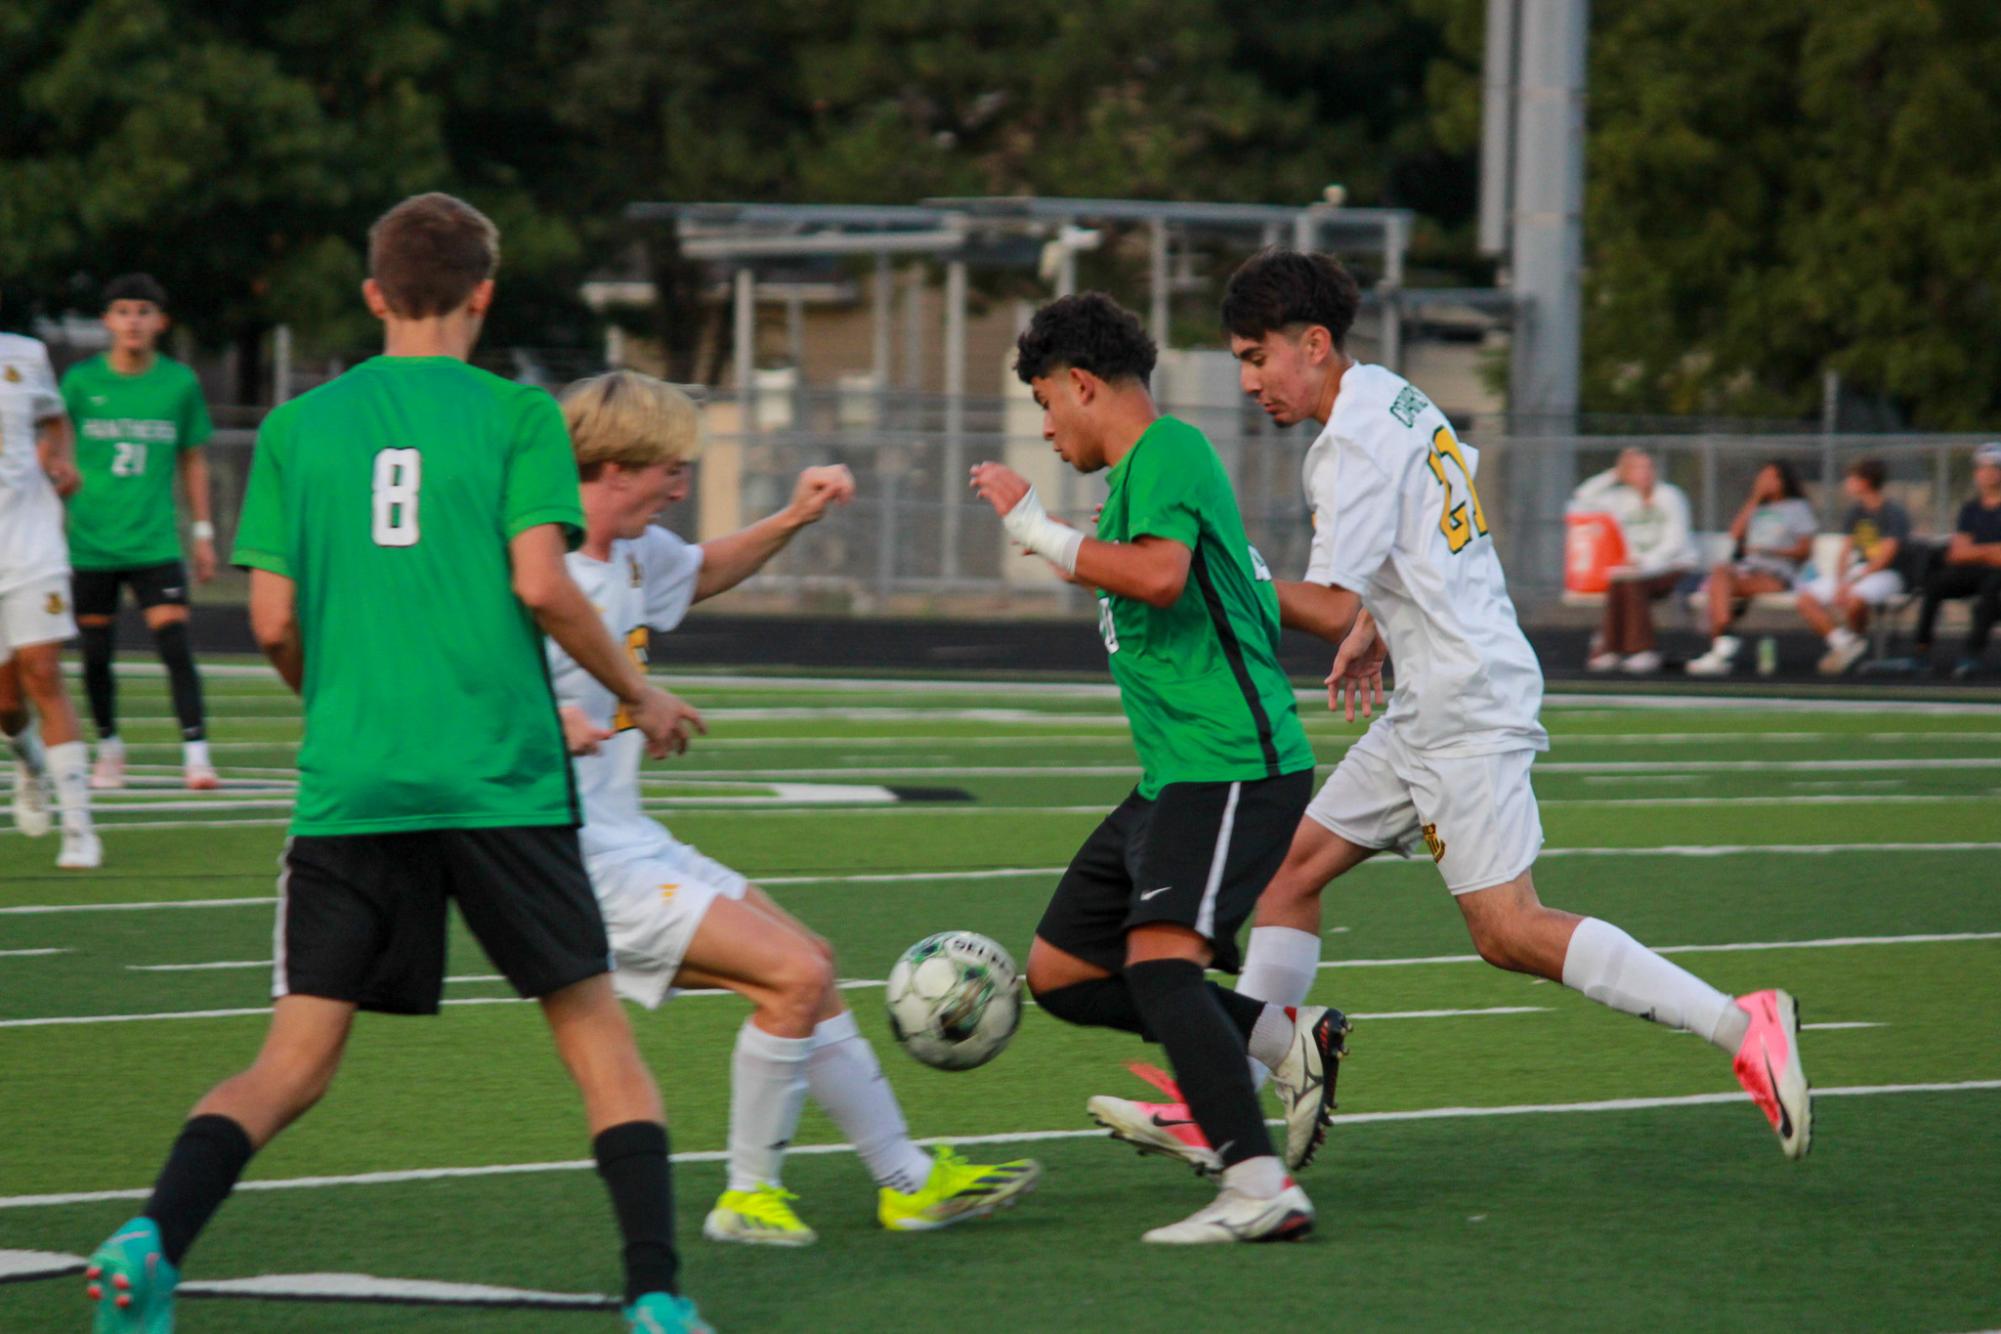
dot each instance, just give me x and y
(1972, 565)
(1872, 568)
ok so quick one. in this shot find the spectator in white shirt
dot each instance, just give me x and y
(1653, 518)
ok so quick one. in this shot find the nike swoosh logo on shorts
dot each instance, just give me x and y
(1151, 892)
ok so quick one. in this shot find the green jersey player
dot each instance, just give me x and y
(140, 422)
(1159, 890)
(405, 527)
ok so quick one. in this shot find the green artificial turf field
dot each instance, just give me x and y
(1508, 1155)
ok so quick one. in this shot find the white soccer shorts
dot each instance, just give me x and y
(37, 612)
(652, 907)
(1874, 588)
(1475, 814)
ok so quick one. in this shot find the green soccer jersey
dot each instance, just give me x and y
(1199, 679)
(130, 429)
(389, 497)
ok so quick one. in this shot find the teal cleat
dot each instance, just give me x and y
(663, 1313)
(132, 1283)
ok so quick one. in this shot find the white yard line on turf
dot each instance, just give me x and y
(1824, 943)
(29, 954)
(1012, 1137)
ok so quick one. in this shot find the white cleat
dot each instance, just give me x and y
(82, 851)
(1305, 1079)
(1840, 657)
(1154, 1127)
(1721, 659)
(1234, 1216)
(108, 774)
(201, 778)
(31, 802)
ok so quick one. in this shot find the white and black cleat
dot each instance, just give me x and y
(1305, 1080)
(1235, 1216)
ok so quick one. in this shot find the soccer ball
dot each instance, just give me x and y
(954, 1000)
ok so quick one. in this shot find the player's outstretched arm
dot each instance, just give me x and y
(1322, 610)
(728, 561)
(274, 620)
(581, 736)
(542, 582)
(1152, 569)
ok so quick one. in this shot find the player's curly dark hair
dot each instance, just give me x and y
(135, 287)
(1086, 332)
(1279, 288)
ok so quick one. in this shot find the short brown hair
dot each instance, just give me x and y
(630, 419)
(429, 252)
(1871, 471)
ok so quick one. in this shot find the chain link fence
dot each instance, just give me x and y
(916, 541)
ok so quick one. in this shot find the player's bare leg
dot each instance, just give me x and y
(31, 801)
(1512, 929)
(168, 623)
(628, 1129)
(1283, 958)
(37, 671)
(134, 1272)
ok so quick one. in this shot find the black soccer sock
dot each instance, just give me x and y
(1207, 1052)
(1101, 1002)
(632, 1159)
(171, 640)
(201, 1171)
(97, 679)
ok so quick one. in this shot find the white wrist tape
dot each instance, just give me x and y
(1029, 524)
(201, 530)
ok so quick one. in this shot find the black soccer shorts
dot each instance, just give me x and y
(361, 917)
(1198, 855)
(95, 592)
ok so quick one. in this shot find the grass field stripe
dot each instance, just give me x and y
(1009, 1137)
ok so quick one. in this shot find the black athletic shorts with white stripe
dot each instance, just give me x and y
(1198, 855)
(363, 917)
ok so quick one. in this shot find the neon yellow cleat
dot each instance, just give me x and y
(761, 1217)
(955, 1191)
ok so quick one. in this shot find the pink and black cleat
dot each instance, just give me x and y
(1768, 1066)
(1164, 1128)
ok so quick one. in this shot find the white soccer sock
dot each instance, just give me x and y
(111, 745)
(767, 1093)
(69, 765)
(1259, 1178)
(1279, 967)
(1271, 1038)
(847, 1081)
(194, 754)
(27, 748)
(1613, 969)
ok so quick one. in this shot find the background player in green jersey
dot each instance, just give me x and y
(406, 526)
(140, 421)
(1159, 890)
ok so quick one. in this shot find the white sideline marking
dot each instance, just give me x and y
(29, 954)
(853, 984)
(1013, 1137)
(35, 908)
(197, 967)
(1823, 1028)
(24, 1266)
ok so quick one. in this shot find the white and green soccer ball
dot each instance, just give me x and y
(954, 1000)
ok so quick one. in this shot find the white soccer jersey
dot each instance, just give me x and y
(648, 584)
(32, 546)
(1397, 520)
